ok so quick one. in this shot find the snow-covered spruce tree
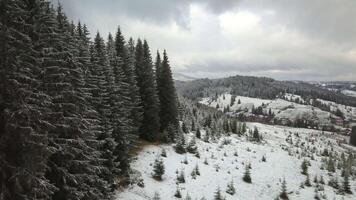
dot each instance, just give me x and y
(256, 135)
(119, 101)
(156, 196)
(150, 126)
(304, 167)
(180, 146)
(231, 188)
(247, 174)
(126, 53)
(23, 106)
(104, 99)
(196, 169)
(346, 185)
(158, 169)
(283, 194)
(178, 194)
(167, 94)
(218, 195)
(307, 181)
(181, 176)
(71, 166)
(192, 146)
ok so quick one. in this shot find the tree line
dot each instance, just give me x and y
(72, 108)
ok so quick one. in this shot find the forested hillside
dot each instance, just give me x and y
(259, 87)
(71, 108)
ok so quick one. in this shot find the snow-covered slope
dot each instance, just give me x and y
(350, 93)
(281, 108)
(283, 160)
(348, 111)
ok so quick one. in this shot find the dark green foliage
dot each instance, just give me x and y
(304, 167)
(70, 108)
(158, 169)
(198, 134)
(146, 82)
(167, 94)
(247, 174)
(23, 107)
(125, 72)
(256, 135)
(353, 136)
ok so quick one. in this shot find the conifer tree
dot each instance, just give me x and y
(353, 136)
(181, 177)
(150, 127)
(120, 103)
(304, 167)
(167, 94)
(247, 175)
(284, 194)
(218, 195)
(198, 134)
(231, 188)
(158, 169)
(156, 196)
(63, 80)
(178, 194)
(180, 146)
(126, 54)
(23, 107)
(346, 185)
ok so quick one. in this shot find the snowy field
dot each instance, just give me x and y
(350, 93)
(283, 147)
(282, 109)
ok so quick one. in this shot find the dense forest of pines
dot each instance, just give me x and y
(72, 108)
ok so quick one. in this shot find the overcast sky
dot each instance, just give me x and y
(282, 39)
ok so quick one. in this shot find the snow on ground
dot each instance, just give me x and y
(348, 111)
(224, 100)
(266, 176)
(282, 109)
(293, 97)
(350, 93)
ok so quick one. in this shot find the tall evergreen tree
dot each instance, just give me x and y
(63, 80)
(149, 129)
(120, 105)
(353, 136)
(23, 106)
(167, 94)
(126, 53)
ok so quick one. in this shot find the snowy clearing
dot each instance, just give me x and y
(284, 149)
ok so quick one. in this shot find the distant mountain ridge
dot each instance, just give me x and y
(182, 77)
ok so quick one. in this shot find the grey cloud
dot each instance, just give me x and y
(309, 40)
